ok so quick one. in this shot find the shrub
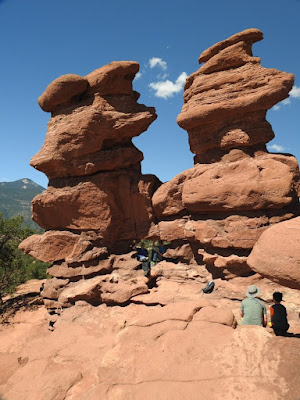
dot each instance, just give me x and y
(16, 267)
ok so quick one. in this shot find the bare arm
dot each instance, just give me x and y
(265, 320)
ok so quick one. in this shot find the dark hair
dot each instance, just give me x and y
(277, 296)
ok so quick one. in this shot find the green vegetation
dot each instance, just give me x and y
(150, 245)
(15, 266)
(16, 197)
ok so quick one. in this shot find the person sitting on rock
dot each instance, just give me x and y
(253, 310)
(143, 257)
(158, 252)
(279, 321)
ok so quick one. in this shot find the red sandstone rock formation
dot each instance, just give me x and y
(276, 254)
(237, 188)
(97, 200)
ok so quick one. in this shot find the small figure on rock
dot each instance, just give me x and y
(279, 321)
(158, 251)
(253, 310)
(143, 256)
(42, 287)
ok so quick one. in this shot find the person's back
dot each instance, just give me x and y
(143, 257)
(253, 310)
(278, 313)
(142, 252)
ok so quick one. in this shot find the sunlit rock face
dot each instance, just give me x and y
(276, 254)
(226, 100)
(236, 188)
(97, 200)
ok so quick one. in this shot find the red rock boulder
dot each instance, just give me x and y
(276, 255)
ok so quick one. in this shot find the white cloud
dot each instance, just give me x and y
(286, 101)
(165, 89)
(295, 92)
(155, 61)
(276, 147)
(138, 76)
(162, 76)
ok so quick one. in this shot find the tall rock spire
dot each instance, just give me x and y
(97, 200)
(236, 188)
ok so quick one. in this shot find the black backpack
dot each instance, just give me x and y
(209, 287)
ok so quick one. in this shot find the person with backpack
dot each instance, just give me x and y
(143, 257)
(158, 252)
(253, 310)
(278, 314)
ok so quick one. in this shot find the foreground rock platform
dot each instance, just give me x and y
(185, 349)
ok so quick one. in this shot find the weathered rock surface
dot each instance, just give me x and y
(236, 189)
(112, 279)
(247, 184)
(94, 132)
(75, 203)
(227, 98)
(51, 246)
(175, 351)
(62, 90)
(276, 255)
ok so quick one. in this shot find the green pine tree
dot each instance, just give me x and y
(16, 267)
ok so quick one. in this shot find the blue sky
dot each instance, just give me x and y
(41, 40)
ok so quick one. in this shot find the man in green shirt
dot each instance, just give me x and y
(253, 310)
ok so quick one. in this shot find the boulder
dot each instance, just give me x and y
(113, 78)
(276, 255)
(51, 246)
(115, 204)
(258, 183)
(249, 36)
(61, 91)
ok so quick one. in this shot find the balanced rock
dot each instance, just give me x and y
(61, 91)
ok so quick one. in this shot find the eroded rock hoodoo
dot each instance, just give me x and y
(236, 189)
(97, 200)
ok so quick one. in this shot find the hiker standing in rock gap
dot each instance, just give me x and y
(143, 256)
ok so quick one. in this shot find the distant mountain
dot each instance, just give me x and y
(15, 199)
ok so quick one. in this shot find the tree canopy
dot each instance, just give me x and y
(15, 266)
